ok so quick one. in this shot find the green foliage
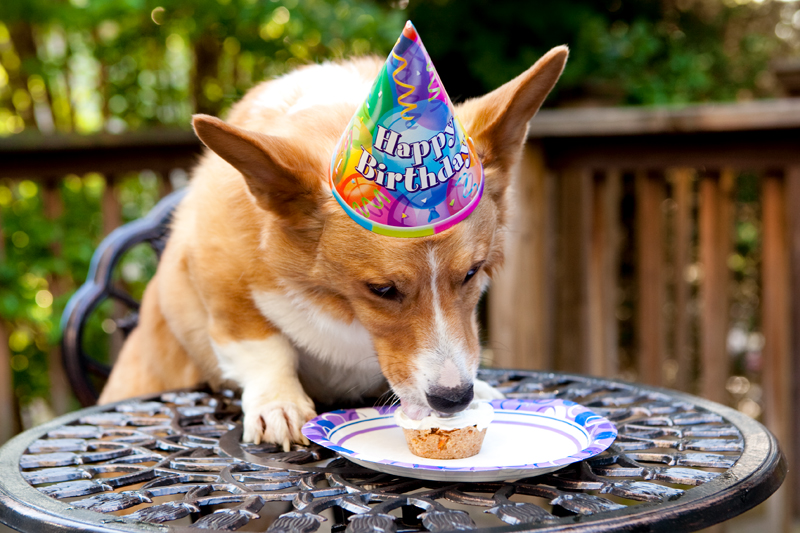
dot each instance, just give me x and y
(116, 65)
(47, 258)
(643, 52)
(96, 65)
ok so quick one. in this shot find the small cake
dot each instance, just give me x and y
(447, 437)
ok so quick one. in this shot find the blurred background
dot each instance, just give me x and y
(661, 266)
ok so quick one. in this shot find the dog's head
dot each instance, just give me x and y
(417, 297)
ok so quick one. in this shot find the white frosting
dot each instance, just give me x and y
(477, 414)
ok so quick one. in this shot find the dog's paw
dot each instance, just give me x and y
(278, 422)
(484, 391)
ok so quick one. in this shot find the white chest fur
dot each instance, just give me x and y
(337, 361)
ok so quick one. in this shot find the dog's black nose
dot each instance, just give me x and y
(450, 400)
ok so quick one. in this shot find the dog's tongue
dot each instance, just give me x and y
(414, 412)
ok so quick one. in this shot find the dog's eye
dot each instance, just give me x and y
(388, 292)
(472, 272)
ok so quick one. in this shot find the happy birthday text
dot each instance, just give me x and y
(416, 176)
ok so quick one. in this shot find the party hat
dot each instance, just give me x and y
(405, 166)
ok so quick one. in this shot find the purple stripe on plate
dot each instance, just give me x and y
(353, 434)
(572, 439)
(351, 423)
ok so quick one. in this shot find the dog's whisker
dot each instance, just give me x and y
(391, 400)
(354, 387)
(386, 396)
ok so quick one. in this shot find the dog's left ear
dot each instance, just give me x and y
(498, 121)
(283, 180)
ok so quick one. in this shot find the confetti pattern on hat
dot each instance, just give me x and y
(405, 166)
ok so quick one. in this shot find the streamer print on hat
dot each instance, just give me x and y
(405, 166)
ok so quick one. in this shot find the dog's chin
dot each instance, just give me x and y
(414, 410)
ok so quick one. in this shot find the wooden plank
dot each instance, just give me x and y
(574, 249)
(8, 400)
(756, 150)
(112, 219)
(756, 115)
(519, 301)
(164, 183)
(59, 385)
(714, 229)
(727, 188)
(604, 274)
(112, 210)
(793, 212)
(776, 326)
(650, 195)
(136, 141)
(30, 156)
(682, 180)
(8, 410)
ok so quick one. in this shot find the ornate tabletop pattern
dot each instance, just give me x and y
(176, 460)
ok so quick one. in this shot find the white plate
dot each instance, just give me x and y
(526, 438)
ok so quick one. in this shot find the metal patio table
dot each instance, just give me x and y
(174, 462)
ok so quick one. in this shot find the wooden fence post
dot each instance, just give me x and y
(59, 386)
(604, 272)
(682, 258)
(8, 413)
(164, 183)
(776, 325)
(520, 300)
(575, 234)
(112, 219)
(715, 235)
(650, 195)
(112, 210)
(793, 212)
(8, 402)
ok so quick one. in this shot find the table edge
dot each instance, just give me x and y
(43, 513)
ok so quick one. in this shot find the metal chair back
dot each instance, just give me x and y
(84, 372)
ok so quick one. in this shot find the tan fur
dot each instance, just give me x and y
(259, 219)
(150, 363)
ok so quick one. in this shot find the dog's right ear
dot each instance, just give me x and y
(282, 178)
(498, 121)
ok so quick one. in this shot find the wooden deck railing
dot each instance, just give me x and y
(47, 160)
(555, 303)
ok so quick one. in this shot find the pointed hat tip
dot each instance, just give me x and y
(405, 166)
(410, 31)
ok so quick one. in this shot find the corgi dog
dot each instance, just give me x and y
(268, 285)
